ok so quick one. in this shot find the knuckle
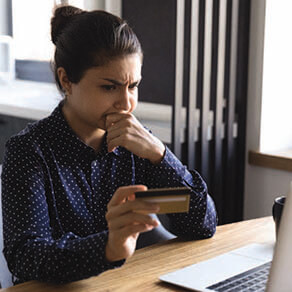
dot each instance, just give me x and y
(109, 225)
(128, 122)
(108, 215)
(128, 136)
(127, 130)
(128, 116)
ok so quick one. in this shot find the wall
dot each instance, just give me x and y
(277, 86)
(262, 185)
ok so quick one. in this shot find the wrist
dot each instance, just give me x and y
(110, 255)
(158, 153)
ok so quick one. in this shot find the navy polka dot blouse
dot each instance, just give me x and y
(55, 191)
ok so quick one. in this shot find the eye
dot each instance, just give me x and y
(134, 85)
(108, 87)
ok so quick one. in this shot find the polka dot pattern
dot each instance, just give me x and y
(55, 190)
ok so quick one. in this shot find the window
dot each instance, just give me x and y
(32, 36)
(31, 28)
(276, 119)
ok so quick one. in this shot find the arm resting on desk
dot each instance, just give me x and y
(201, 220)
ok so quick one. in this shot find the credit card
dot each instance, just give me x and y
(170, 200)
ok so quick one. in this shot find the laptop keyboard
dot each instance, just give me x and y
(251, 280)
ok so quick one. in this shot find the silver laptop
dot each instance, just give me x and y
(254, 267)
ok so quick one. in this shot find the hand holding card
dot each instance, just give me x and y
(170, 200)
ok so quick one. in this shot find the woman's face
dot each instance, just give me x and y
(112, 88)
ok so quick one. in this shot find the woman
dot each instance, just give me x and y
(69, 180)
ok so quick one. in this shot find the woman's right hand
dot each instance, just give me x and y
(126, 218)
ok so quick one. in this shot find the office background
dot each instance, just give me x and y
(216, 131)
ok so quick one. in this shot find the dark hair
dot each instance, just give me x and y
(86, 39)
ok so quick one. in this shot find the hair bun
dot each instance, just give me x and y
(62, 16)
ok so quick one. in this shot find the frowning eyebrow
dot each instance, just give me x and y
(115, 82)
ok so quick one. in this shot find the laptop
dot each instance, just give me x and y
(254, 267)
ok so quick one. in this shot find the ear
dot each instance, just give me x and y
(63, 78)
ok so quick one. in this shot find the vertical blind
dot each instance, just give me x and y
(214, 130)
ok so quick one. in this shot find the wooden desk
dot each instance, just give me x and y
(141, 272)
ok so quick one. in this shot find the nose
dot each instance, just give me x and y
(124, 101)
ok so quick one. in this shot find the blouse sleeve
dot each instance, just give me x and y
(201, 220)
(29, 248)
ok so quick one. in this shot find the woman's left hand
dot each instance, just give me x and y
(123, 129)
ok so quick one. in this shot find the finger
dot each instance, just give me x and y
(114, 134)
(116, 142)
(127, 125)
(131, 230)
(137, 206)
(118, 132)
(131, 218)
(115, 117)
(122, 123)
(126, 139)
(131, 197)
(123, 192)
